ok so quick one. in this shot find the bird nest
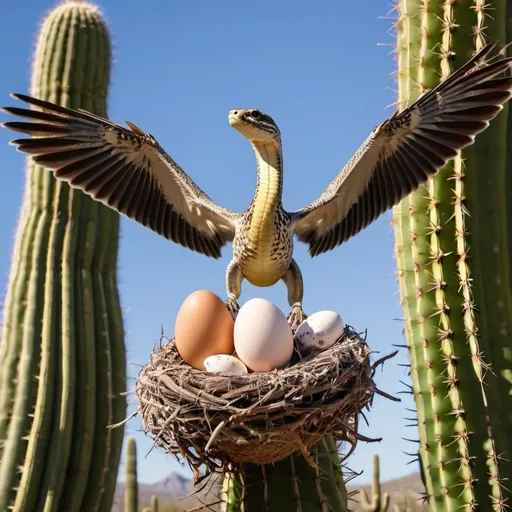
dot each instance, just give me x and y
(225, 421)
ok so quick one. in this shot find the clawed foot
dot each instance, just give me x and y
(296, 317)
(233, 307)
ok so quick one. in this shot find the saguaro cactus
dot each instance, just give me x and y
(131, 487)
(289, 485)
(378, 502)
(62, 358)
(453, 253)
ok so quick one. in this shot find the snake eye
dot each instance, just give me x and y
(255, 114)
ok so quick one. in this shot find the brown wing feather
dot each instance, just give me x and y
(125, 169)
(403, 152)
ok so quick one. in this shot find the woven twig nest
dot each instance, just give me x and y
(226, 421)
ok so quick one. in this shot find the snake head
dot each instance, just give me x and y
(255, 125)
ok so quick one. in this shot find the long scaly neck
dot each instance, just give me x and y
(267, 199)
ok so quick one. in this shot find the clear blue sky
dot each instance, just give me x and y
(179, 67)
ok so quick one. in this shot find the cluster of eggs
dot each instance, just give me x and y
(259, 340)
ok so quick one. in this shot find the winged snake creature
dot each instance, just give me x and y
(128, 170)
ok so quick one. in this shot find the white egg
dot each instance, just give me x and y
(225, 364)
(319, 332)
(263, 338)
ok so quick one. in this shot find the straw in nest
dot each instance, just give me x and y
(225, 421)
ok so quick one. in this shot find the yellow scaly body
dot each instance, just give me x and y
(261, 269)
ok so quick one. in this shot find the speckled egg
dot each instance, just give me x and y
(204, 327)
(263, 338)
(319, 331)
(227, 365)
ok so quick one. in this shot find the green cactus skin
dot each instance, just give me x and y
(154, 504)
(62, 365)
(289, 485)
(131, 488)
(377, 503)
(453, 263)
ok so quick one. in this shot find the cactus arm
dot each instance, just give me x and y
(154, 504)
(131, 496)
(378, 502)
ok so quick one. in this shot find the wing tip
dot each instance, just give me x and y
(136, 129)
(313, 249)
(485, 49)
(22, 97)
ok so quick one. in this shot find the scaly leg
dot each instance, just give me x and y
(234, 278)
(293, 281)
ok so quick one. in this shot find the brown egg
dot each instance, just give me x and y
(204, 328)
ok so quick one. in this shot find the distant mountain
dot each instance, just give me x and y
(176, 486)
(170, 488)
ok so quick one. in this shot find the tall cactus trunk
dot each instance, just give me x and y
(62, 358)
(131, 487)
(289, 485)
(452, 249)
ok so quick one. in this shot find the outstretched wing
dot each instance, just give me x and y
(125, 169)
(404, 151)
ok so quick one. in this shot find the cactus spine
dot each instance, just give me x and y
(377, 503)
(454, 273)
(62, 364)
(289, 485)
(131, 487)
